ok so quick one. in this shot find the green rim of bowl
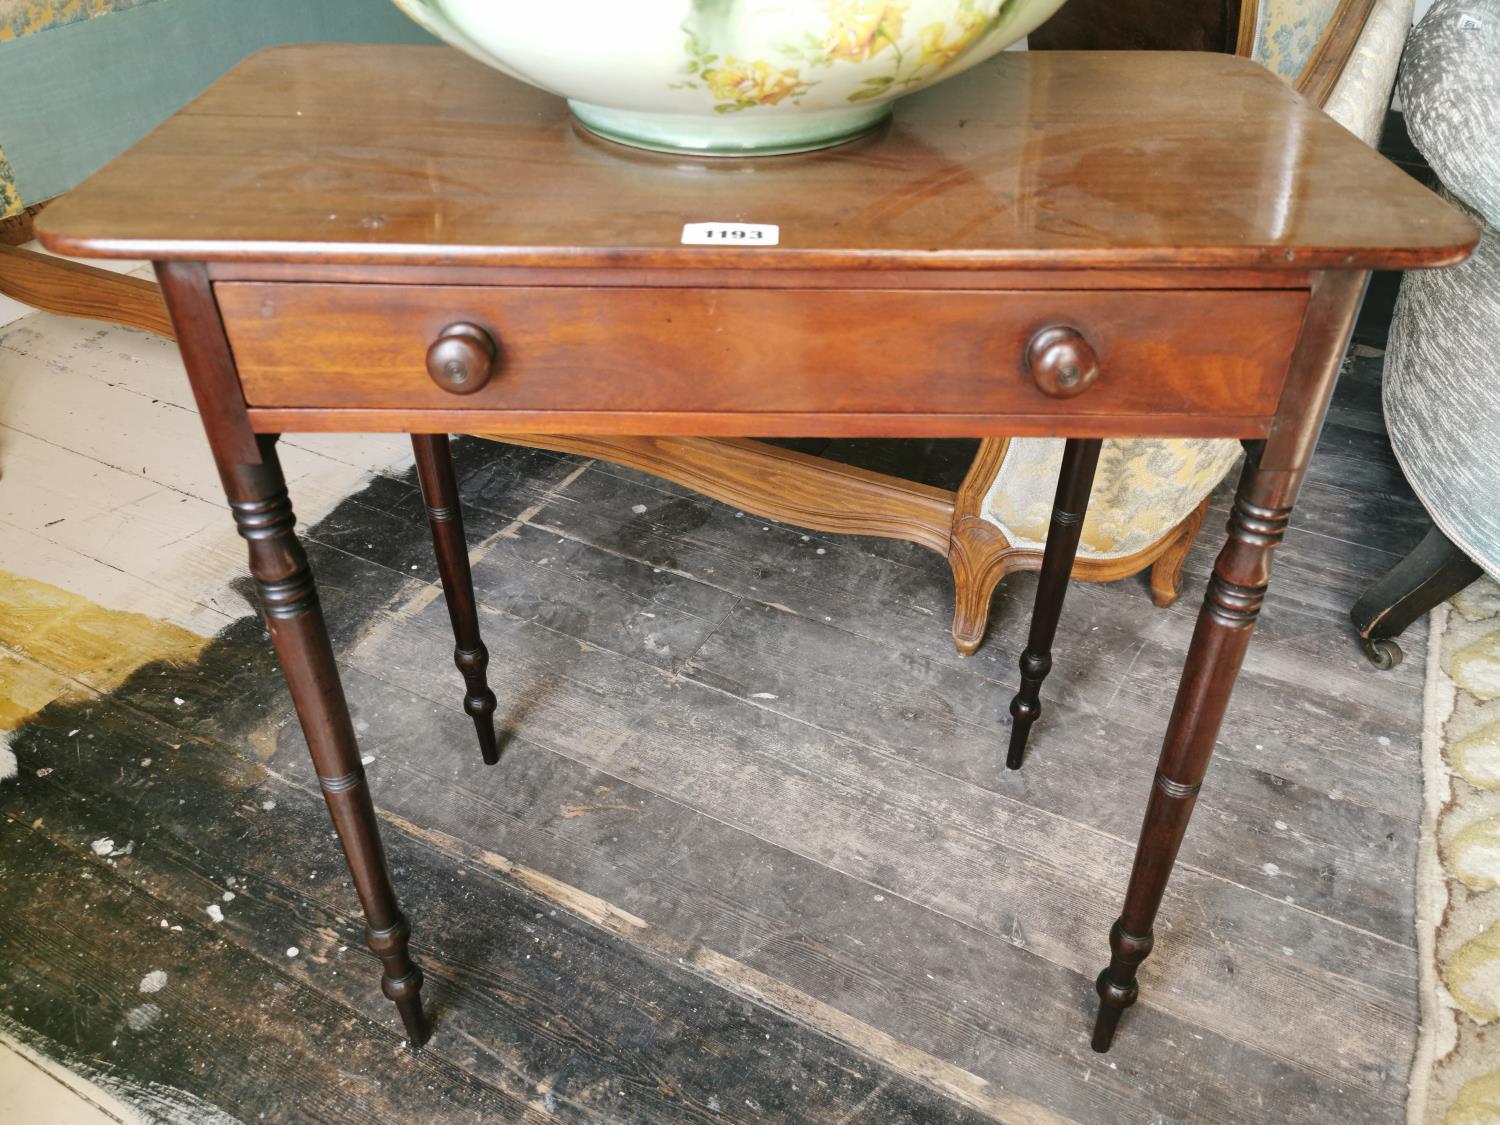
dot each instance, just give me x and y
(654, 132)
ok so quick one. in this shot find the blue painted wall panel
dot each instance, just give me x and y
(74, 96)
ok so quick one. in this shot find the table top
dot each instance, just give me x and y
(327, 154)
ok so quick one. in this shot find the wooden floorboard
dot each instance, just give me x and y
(1011, 871)
(750, 826)
(544, 1015)
(221, 1028)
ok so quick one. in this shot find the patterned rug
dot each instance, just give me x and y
(1456, 1072)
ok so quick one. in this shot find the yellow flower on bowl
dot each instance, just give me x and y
(938, 50)
(745, 84)
(862, 28)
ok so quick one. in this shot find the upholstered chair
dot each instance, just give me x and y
(1442, 363)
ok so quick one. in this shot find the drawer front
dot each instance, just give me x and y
(1210, 353)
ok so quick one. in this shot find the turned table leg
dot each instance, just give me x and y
(1236, 591)
(258, 498)
(440, 493)
(1267, 490)
(1074, 483)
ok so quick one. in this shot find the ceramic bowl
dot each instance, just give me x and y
(730, 77)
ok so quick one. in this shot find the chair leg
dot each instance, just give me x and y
(977, 555)
(440, 494)
(1166, 571)
(1433, 572)
(1074, 483)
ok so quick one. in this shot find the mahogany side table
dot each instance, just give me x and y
(371, 238)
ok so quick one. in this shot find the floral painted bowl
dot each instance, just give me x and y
(731, 77)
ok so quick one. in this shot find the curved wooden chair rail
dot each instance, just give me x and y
(763, 479)
(70, 288)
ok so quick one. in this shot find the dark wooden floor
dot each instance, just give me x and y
(750, 854)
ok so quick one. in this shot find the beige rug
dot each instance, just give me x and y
(1456, 1073)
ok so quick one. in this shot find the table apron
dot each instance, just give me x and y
(760, 362)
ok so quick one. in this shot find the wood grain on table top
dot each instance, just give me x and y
(1092, 160)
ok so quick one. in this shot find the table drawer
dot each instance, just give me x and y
(1206, 352)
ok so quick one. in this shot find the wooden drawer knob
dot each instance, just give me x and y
(1061, 361)
(462, 359)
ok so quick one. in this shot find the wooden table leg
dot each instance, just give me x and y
(1236, 591)
(258, 498)
(1075, 481)
(440, 493)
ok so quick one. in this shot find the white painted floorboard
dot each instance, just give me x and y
(107, 488)
(37, 1090)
